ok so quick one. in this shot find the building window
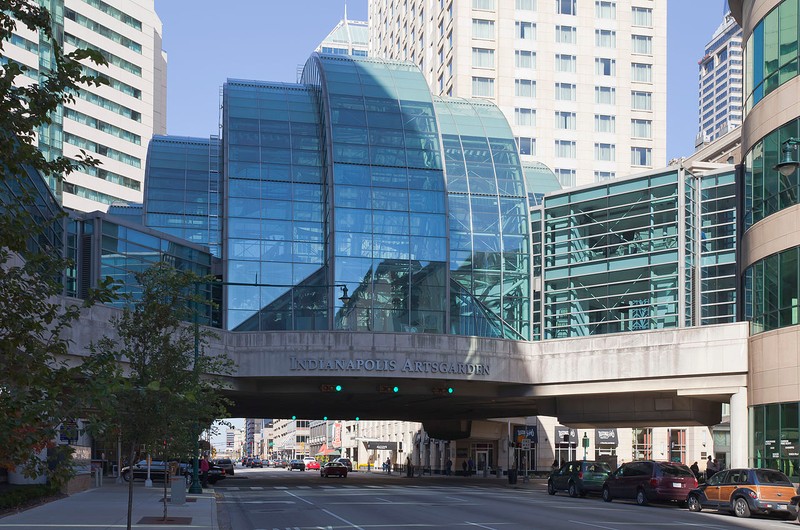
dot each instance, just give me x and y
(565, 149)
(642, 73)
(604, 123)
(642, 16)
(482, 58)
(565, 120)
(525, 59)
(642, 129)
(525, 5)
(642, 44)
(567, 34)
(565, 7)
(525, 30)
(566, 177)
(606, 9)
(525, 88)
(565, 92)
(600, 176)
(605, 38)
(641, 100)
(487, 5)
(565, 63)
(523, 116)
(604, 152)
(642, 444)
(605, 66)
(641, 156)
(483, 87)
(482, 29)
(526, 146)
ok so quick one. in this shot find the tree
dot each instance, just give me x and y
(39, 390)
(167, 387)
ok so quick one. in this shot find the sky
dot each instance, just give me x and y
(269, 39)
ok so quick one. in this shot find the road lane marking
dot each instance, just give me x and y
(480, 525)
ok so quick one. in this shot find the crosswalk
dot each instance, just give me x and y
(343, 486)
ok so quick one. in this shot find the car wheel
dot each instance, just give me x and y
(550, 488)
(694, 503)
(641, 498)
(572, 490)
(740, 507)
(126, 476)
(607, 494)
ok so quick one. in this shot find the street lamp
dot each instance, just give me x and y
(585, 441)
(788, 163)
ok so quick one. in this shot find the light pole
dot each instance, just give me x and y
(585, 444)
(788, 163)
(195, 487)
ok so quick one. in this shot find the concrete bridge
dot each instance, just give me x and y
(655, 378)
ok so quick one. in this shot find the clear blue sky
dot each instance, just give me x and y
(208, 41)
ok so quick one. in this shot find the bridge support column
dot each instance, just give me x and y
(740, 436)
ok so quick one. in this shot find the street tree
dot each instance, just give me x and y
(166, 388)
(39, 390)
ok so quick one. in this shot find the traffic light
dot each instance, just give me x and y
(330, 388)
(388, 389)
(443, 390)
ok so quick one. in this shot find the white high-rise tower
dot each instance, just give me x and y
(582, 82)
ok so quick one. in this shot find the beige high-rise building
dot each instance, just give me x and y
(113, 122)
(582, 82)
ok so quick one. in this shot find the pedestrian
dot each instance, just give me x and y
(388, 465)
(464, 467)
(409, 467)
(204, 466)
(554, 467)
(448, 467)
(695, 470)
(471, 466)
(711, 468)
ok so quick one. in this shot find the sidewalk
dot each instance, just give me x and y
(106, 508)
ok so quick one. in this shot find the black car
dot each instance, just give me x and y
(226, 464)
(578, 477)
(139, 470)
(296, 464)
(346, 461)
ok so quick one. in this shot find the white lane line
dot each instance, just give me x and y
(345, 521)
(480, 525)
(595, 525)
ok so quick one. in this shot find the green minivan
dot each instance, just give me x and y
(578, 477)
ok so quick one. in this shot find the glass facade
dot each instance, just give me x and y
(771, 55)
(766, 190)
(612, 259)
(775, 430)
(273, 236)
(182, 189)
(718, 248)
(772, 290)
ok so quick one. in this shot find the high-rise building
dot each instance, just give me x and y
(112, 122)
(349, 37)
(582, 83)
(720, 83)
(770, 242)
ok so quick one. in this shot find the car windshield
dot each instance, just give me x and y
(770, 476)
(598, 467)
(673, 470)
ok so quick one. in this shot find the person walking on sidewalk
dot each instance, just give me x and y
(204, 466)
(388, 465)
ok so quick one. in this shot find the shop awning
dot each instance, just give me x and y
(328, 451)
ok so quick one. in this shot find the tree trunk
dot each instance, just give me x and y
(130, 483)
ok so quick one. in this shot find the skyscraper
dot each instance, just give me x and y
(720, 83)
(349, 37)
(582, 83)
(112, 122)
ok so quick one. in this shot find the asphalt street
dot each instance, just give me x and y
(268, 499)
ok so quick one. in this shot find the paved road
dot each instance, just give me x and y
(272, 499)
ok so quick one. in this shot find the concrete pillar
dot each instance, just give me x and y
(740, 437)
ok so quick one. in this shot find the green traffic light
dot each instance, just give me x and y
(357, 418)
(338, 388)
(450, 390)
(294, 417)
(395, 389)
(324, 418)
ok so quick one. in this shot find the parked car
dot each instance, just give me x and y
(157, 467)
(746, 491)
(280, 463)
(226, 464)
(310, 463)
(578, 477)
(256, 462)
(333, 469)
(296, 464)
(648, 480)
(347, 462)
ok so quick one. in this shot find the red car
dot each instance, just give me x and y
(333, 469)
(311, 463)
